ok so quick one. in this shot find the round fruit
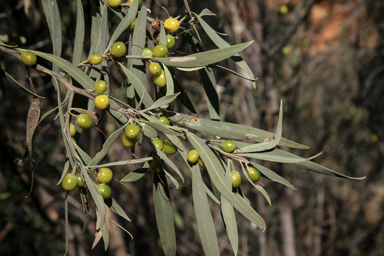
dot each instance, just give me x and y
(129, 143)
(95, 59)
(193, 156)
(129, 3)
(169, 147)
(132, 131)
(104, 190)
(160, 79)
(172, 24)
(228, 146)
(28, 58)
(155, 68)
(80, 182)
(158, 143)
(201, 163)
(72, 130)
(156, 165)
(283, 9)
(132, 25)
(114, 3)
(236, 179)
(104, 175)
(147, 52)
(164, 120)
(100, 87)
(160, 51)
(170, 41)
(84, 121)
(69, 182)
(118, 49)
(253, 173)
(102, 101)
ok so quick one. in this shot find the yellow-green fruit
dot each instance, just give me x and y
(69, 182)
(102, 101)
(158, 143)
(84, 121)
(160, 51)
(100, 87)
(80, 182)
(132, 25)
(156, 165)
(132, 131)
(201, 163)
(72, 130)
(283, 9)
(155, 69)
(164, 120)
(236, 179)
(160, 80)
(228, 146)
(253, 173)
(147, 52)
(118, 49)
(172, 25)
(169, 147)
(95, 59)
(129, 143)
(193, 156)
(170, 41)
(104, 175)
(105, 191)
(114, 3)
(28, 58)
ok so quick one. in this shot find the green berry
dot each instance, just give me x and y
(170, 41)
(155, 68)
(228, 146)
(160, 80)
(147, 52)
(132, 25)
(80, 182)
(104, 175)
(236, 179)
(253, 173)
(172, 24)
(193, 156)
(105, 191)
(114, 3)
(84, 121)
(158, 143)
(118, 49)
(28, 58)
(72, 130)
(95, 59)
(160, 51)
(69, 182)
(156, 165)
(132, 131)
(100, 87)
(164, 120)
(102, 101)
(169, 147)
(201, 163)
(129, 143)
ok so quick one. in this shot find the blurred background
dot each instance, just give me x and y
(324, 59)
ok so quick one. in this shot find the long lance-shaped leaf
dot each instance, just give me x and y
(136, 174)
(126, 162)
(169, 81)
(268, 144)
(164, 214)
(12, 80)
(221, 43)
(116, 208)
(162, 102)
(229, 215)
(228, 130)
(261, 189)
(216, 174)
(203, 214)
(271, 175)
(203, 58)
(79, 35)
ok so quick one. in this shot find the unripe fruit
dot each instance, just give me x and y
(69, 182)
(170, 41)
(236, 179)
(155, 68)
(114, 3)
(147, 52)
(80, 182)
(100, 87)
(132, 25)
(172, 25)
(160, 51)
(118, 49)
(158, 143)
(84, 121)
(104, 175)
(156, 165)
(193, 156)
(160, 80)
(283, 9)
(105, 191)
(102, 101)
(228, 146)
(201, 163)
(164, 120)
(95, 59)
(72, 130)
(253, 173)
(129, 3)
(169, 147)
(28, 58)
(132, 131)
(129, 143)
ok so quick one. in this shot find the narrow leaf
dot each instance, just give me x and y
(162, 102)
(136, 174)
(79, 35)
(261, 189)
(271, 175)
(12, 80)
